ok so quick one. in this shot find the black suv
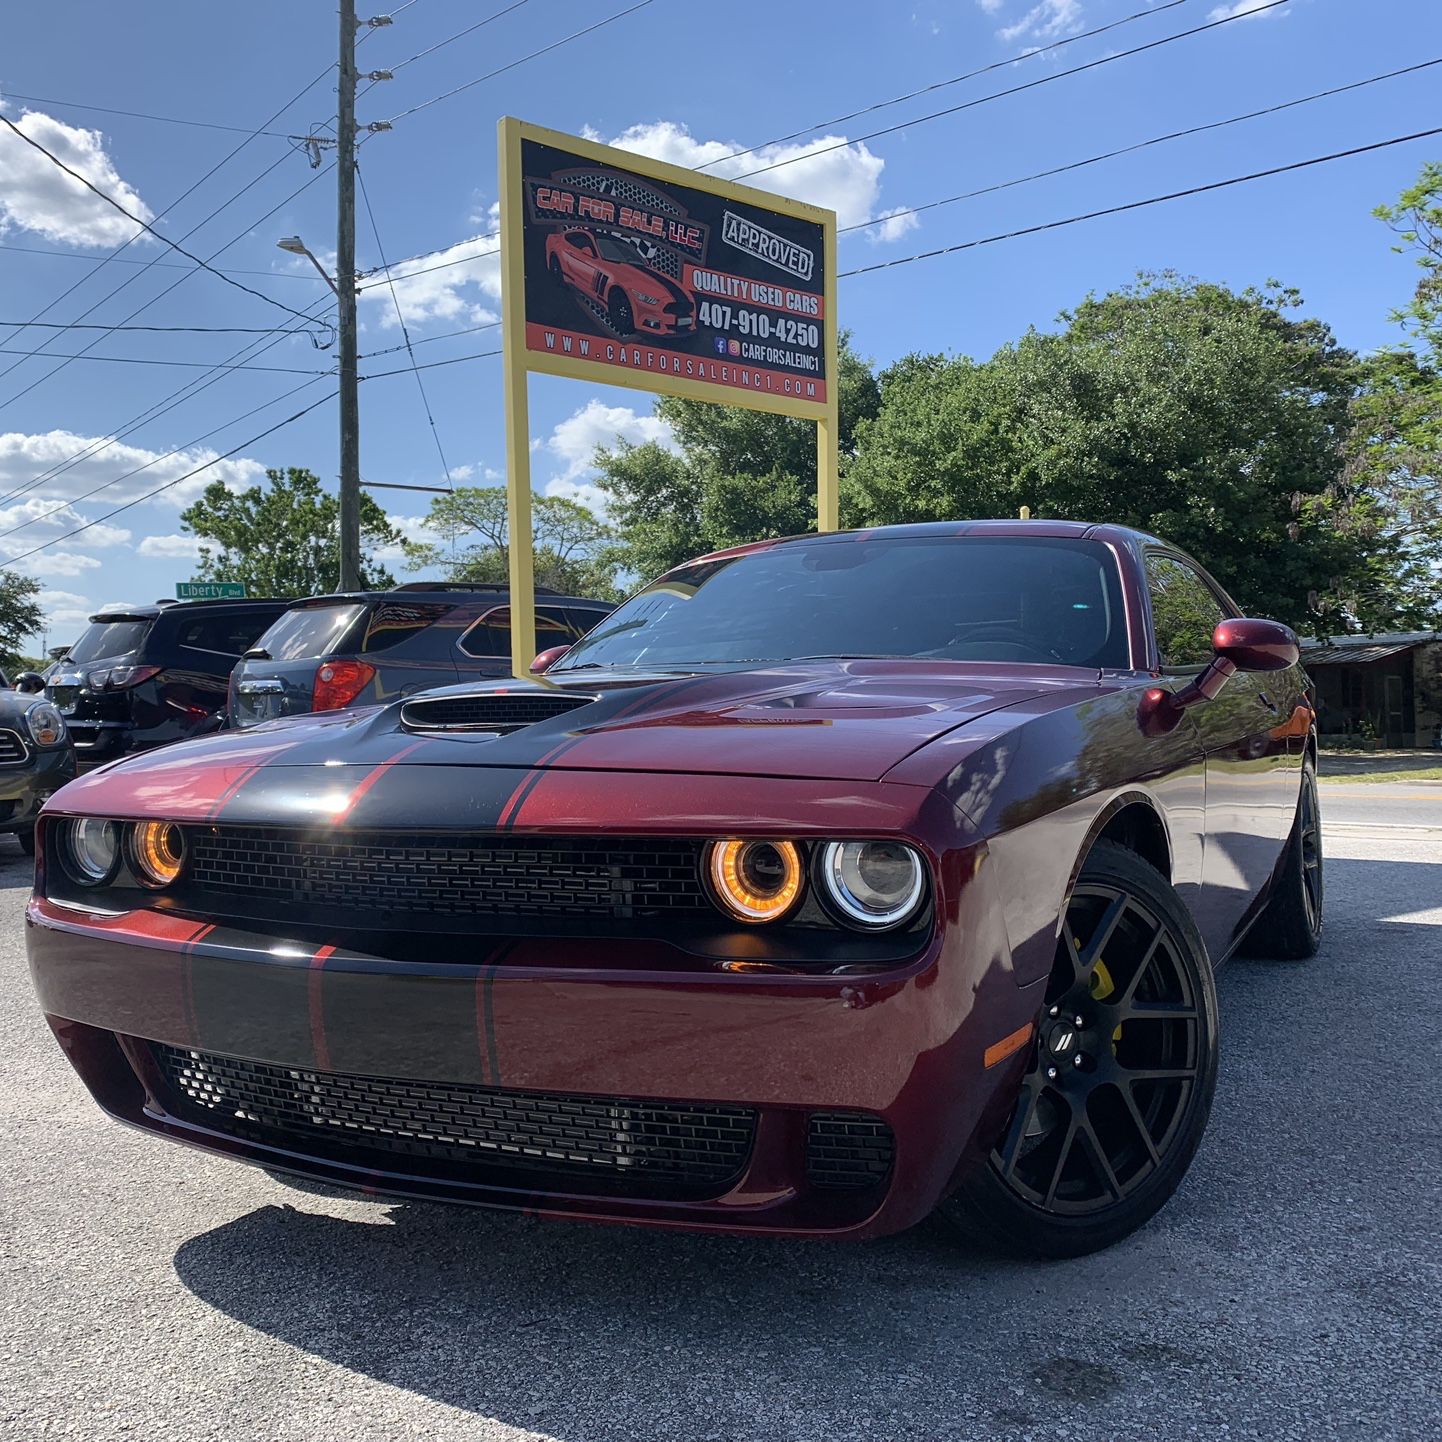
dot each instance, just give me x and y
(362, 648)
(149, 675)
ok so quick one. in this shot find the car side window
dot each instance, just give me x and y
(392, 622)
(225, 635)
(491, 635)
(583, 620)
(1185, 612)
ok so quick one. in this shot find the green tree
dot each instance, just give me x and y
(735, 475)
(20, 616)
(283, 538)
(1219, 420)
(574, 549)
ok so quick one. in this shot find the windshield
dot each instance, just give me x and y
(967, 598)
(309, 632)
(108, 638)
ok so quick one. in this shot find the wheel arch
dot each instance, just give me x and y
(1133, 820)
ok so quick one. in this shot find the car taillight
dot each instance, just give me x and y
(338, 683)
(120, 678)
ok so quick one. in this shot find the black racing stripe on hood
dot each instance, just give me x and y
(676, 293)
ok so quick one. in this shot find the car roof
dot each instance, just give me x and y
(166, 608)
(924, 530)
(442, 591)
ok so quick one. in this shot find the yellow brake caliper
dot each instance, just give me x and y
(1101, 986)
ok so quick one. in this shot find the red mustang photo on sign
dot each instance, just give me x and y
(613, 282)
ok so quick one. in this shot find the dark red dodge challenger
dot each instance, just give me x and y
(827, 881)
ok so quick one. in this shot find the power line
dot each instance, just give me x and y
(945, 84)
(429, 339)
(155, 461)
(1140, 204)
(131, 360)
(426, 254)
(501, 70)
(142, 115)
(1013, 90)
(145, 225)
(405, 331)
(99, 260)
(430, 365)
(164, 329)
(460, 34)
(150, 495)
(1144, 144)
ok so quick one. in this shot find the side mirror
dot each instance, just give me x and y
(1241, 644)
(1253, 645)
(31, 682)
(547, 659)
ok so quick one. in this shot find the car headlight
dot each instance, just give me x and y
(648, 299)
(45, 724)
(755, 881)
(157, 852)
(90, 850)
(872, 884)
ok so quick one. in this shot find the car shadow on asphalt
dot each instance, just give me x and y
(590, 1333)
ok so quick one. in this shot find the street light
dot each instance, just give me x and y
(344, 289)
(296, 246)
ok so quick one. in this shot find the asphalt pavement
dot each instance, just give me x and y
(1290, 1289)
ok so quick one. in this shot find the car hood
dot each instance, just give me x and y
(850, 721)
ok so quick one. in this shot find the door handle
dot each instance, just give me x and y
(1267, 701)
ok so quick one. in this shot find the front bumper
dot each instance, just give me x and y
(24, 788)
(902, 1048)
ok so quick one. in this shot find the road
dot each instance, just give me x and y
(1288, 1291)
(1384, 803)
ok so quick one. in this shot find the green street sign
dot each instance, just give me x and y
(208, 590)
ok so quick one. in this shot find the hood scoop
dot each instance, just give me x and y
(499, 712)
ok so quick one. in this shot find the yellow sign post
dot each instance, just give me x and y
(628, 271)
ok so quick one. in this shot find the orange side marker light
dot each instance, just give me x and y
(998, 1051)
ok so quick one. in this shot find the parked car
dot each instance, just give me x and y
(365, 647)
(149, 675)
(36, 759)
(829, 881)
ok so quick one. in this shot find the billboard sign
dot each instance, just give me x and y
(638, 273)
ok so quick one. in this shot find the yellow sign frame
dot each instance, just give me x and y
(517, 361)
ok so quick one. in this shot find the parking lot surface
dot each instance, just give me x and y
(1288, 1291)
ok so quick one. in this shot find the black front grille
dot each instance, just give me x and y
(847, 1150)
(587, 1143)
(12, 748)
(501, 712)
(376, 875)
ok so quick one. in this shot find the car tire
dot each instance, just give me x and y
(26, 839)
(619, 313)
(1110, 1113)
(1290, 927)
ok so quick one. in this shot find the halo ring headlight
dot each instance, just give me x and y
(755, 881)
(157, 852)
(874, 885)
(90, 850)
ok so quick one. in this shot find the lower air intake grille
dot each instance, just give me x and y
(12, 748)
(381, 878)
(847, 1150)
(500, 712)
(586, 1143)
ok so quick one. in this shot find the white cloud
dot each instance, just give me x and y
(36, 195)
(892, 225)
(1049, 20)
(59, 563)
(1243, 9)
(575, 439)
(586, 493)
(176, 546)
(48, 518)
(845, 178)
(66, 614)
(443, 286)
(24, 458)
(991, 6)
(462, 473)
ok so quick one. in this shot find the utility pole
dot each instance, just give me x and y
(350, 492)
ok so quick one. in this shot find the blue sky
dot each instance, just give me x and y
(675, 79)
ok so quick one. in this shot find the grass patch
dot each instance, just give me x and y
(1422, 773)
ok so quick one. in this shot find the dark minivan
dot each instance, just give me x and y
(363, 648)
(149, 675)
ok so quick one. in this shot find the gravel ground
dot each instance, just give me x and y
(1289, 1290)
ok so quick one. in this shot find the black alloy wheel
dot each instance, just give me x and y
(619, 313)
(1290, 928)
(1123, 1066)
